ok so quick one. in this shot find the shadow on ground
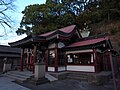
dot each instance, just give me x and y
(68, 84)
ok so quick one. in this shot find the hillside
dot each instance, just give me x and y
(110, 27)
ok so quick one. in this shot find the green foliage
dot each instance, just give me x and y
(59, 13)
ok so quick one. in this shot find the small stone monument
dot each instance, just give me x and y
(39, 70)
(39, 74)
(6, 66)
(39, 66)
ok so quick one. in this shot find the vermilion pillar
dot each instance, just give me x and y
(46, 65)
(21, 59)
(35, 54)
(65, 61)
(95, 60)
(56, 59)
(27, 57)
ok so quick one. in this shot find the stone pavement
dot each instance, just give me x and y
(67, 84)
(8, 84)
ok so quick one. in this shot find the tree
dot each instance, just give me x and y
(5, 19)
(110, 9)
(34, 17)
(55, 14)
(50, 16)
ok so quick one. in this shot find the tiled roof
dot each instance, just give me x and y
(8, 49)
(88, 42)
(63, 33)
(9, 55)
(68, 29)
(48, 33)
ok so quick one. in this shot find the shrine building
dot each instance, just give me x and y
(65, 49)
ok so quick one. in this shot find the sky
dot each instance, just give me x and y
(16, 16)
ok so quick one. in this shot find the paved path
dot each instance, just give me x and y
(8, 84)
(68, 84)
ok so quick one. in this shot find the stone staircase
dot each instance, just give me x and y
(78, 76)
(19, 76)
(50, 77)
(67, 75)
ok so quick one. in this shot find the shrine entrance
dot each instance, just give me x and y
(30, 56)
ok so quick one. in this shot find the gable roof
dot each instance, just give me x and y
(96, 41)
(88, 42)
(60, 32)
(47, 34)
(68, 29)
(63, 34)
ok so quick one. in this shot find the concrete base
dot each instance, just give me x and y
(39, 81)
(39, 71)
(100, 78)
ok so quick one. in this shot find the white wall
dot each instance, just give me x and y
(79, 51)
(59, 68)
(81, 68)
(51, 69)
(74, 68)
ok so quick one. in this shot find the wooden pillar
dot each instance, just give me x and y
(46, 65)
(34, 56)
(31, 62)
(56, 60)
(28, 59)
(95, 60)
(21, 59)
(103, 55)
(65, 61)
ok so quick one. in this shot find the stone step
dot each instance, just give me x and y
(74, 75)
(16, 78)
(50, 77)
(18, 75)
(24, 73)
(79, 76)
